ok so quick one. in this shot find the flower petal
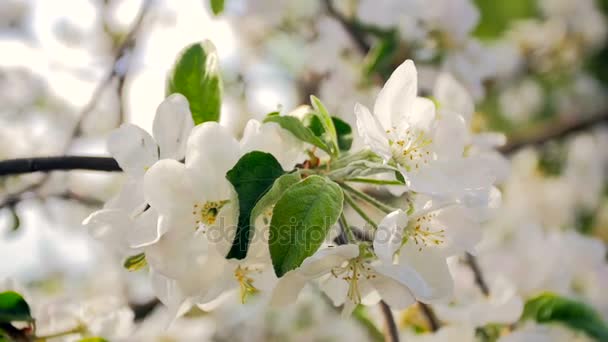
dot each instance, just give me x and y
(271, 138)
(372, 132)
(325, 259)
(453, 97)
(145, 230)
(133, 148)
(211, 151)
(172, 125)
(396, 97)
(431, 264)
(389, 235)
(288, 289)
(168, 189)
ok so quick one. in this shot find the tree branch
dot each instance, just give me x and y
(64, 163)
(555, 131)
(392, 333)
(432, 319)
(351, 27)
(479, 279)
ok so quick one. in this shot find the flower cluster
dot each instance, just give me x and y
(190, 188)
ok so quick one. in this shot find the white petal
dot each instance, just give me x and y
(453, 97)
(168, 189)
(212, 151)
(133, 148)
(168, 292)
(421, 115)
(130, 198)
(450, 137)
(327, 258)
(271, 138)
(288, 288)
(110, 227)
(451, 178)
(172, 125)
(389, 235)
(372, 132)
(430, 263)
(145, 230)
(396, 97)
(396, 284)
(462, 228)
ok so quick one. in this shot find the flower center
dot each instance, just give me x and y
(423, 232)
(206, 213)
(241, 274)
(411, 149)
(352, 272)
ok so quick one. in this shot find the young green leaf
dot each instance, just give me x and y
(217, 6)
(326, 122)
(252, 176)
(301, 220)
(551, 308)
(196, 75)
(14, 308)
(135, 262)
(343, 129)
(295, 126)
(280, 185)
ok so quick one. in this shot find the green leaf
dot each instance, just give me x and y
(14, 308)
(252, 176)
(551, 308)
(295, 126)
(135, 262)
(280, 185)
(196, 75)
(327, 123)
(497, 16)
(300, 221)
(343, 129)
(217, 6)
(93, 339)
(345, 133)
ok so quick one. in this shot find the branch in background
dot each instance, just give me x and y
(555, 131)
(350, 26)
(121, 53)
(143, 310)
(428, 312)
(117, 71)
(392, 333)
(65, 163)
(479, 279)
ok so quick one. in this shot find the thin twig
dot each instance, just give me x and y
(392, 333)
(65, 163)
(478, 274)
(432, 319)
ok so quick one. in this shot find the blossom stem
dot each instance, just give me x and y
(349, 233)
(367, 198)
(392, 333)
(76, 330)
(348, 198)
(373, 181)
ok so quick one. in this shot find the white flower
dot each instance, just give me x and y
(422, 244)
(428, 149)
(350, 277)
(198, 213)
(122, 223)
